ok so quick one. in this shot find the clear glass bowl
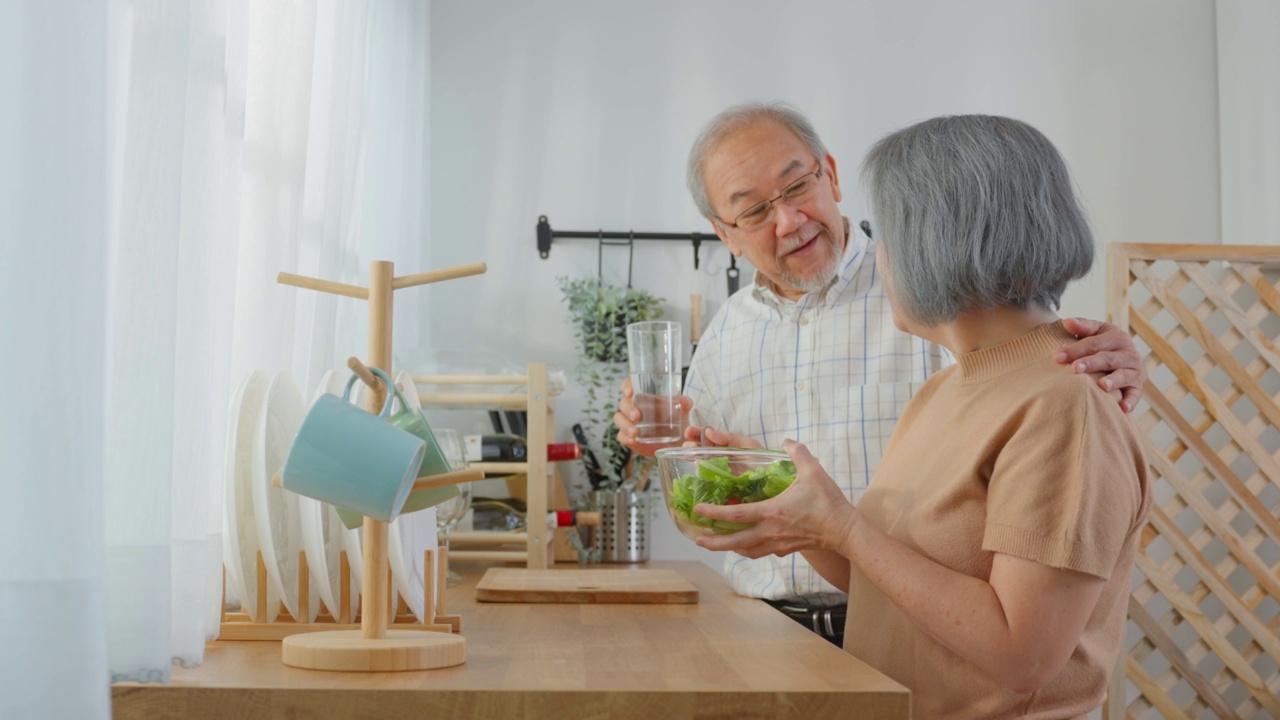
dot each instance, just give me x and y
(719, 476)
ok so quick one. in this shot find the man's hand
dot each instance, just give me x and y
(632, 408)
(710, 437)
(1107, 351)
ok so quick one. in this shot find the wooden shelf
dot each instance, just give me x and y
(501, 468)
(489, 556)
(498, 401)
(539, 474)
(487, 537)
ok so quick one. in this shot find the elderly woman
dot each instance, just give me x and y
(988, 562)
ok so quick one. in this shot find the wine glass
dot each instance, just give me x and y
(451, 511)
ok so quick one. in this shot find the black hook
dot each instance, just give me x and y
(697, 245)
(630, 242)
(544, 237)
(733, 274)
(631, 254)
(600, 256)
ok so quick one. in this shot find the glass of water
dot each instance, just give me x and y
(450, 512)
(655, 354)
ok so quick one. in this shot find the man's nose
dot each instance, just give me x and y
(787, 219)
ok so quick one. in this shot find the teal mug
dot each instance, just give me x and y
(352, 459)
(411, 421)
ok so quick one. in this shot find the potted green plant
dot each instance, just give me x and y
(600, 314)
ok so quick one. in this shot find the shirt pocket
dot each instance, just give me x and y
(865, 417)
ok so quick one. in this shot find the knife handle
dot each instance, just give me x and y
(695, 318)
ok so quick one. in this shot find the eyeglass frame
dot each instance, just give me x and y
(770, 203)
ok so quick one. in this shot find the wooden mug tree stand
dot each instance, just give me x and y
(374, 647)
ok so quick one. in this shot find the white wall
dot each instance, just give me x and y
(584, 111)
(1248, 33)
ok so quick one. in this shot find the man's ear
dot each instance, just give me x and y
(830, 163)
(722, 232)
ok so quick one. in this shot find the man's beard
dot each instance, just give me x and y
(819, 278)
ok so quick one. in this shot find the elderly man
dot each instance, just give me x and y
(809, 350)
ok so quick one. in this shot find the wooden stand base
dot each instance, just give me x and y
(346, 651)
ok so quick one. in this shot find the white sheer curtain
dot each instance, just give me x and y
(53, 649)
(242, 138)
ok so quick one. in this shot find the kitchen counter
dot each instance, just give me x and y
(725, 657)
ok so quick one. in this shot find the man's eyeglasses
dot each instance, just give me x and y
(794, 194)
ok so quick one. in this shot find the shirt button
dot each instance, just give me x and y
(800, 385)
(804, 320)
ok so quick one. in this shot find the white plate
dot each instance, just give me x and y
(323, 535)
(276, 509)
(350, 538)
(411, 535)
(408, 537)
(240, 535)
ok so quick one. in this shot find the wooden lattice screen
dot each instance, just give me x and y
(1203, 637)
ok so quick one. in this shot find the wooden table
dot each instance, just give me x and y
(726, 657)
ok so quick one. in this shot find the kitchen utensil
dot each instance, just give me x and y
(695, 332)
(595, 474)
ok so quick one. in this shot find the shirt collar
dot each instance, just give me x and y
(855, 245)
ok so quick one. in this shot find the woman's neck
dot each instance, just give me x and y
(987, 328)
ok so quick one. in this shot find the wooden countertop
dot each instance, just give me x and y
(725, 657)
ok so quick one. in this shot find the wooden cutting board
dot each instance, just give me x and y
(584, 586)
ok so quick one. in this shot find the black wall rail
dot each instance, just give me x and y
(628, 239)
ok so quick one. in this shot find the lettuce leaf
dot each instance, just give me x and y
(716, 484)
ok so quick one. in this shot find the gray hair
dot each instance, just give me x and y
(737, 118)
(976, 211)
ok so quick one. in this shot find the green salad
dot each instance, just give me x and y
(717, 485)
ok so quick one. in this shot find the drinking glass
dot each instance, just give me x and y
(450, 512)
(654, 353)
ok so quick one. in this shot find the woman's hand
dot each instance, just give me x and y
(1107, 351)
(812, 514)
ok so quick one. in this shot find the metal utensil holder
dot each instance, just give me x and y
(623, 533)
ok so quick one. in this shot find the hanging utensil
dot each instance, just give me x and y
(732, 274)
(695, 331)
(595, 475)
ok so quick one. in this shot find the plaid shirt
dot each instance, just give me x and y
(829, 370)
